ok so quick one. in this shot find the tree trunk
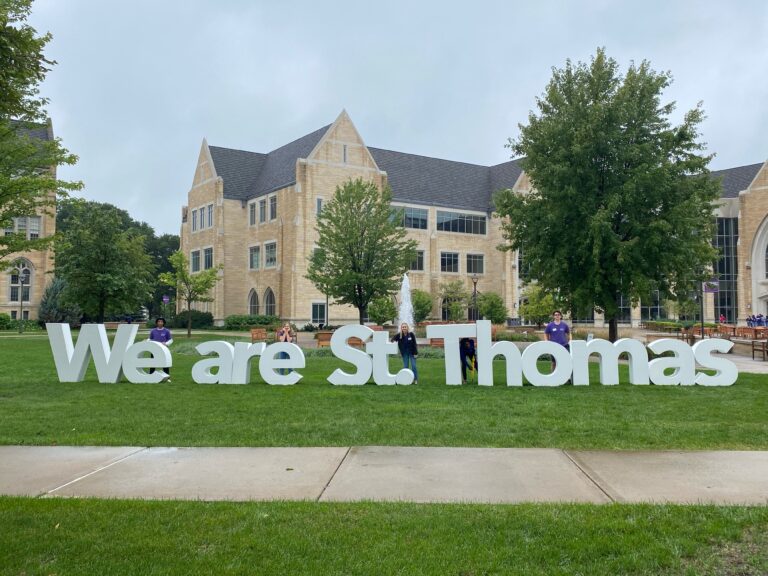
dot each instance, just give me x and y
(613, 329)
(361, 312)
(189, 322)
(102, 306)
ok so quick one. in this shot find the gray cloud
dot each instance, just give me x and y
(139, 84)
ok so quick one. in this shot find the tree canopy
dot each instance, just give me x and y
(622, 199)
(106, 266)
(28, 158)
(363, 253)
(190, 287)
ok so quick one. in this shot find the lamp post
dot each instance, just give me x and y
(20, 272)
(474, 297)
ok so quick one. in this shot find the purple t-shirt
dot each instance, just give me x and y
(558, 332)
(160, 335)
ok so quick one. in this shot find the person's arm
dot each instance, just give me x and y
(568, 330)
(546, 333)
(415, 347)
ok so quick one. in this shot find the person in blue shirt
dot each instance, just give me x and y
(162, 335)
(468, 358)
(558, 332)
(406, 343)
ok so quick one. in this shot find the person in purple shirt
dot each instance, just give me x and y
(162, 335)
(558, 332)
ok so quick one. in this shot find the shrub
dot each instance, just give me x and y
(29, 325)
(309, 327)
(5, 321)
(517, 336)
(245, 321)
(54, 306)
(199, 319)
(491, 306)
(422, 305)
(382, 310)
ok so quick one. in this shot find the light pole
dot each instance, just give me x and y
(474, 297)
(20, 272)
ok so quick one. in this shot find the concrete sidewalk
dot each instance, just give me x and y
(494, 475)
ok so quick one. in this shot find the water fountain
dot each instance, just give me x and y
(405, 314)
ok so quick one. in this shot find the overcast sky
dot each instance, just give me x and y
(139, 84)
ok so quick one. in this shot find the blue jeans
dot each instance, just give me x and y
(283, 371)
(409, 359)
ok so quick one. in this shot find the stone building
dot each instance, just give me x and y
(255, 214)
(22, 285)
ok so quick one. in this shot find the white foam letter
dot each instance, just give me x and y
(451, 334)
(269, 363)
(380, 349)
(563, 366)
(225, 355)
(487, 351)
(727, 372)
(135, 365)
(358, 358)
(609, 360)
(682, 362)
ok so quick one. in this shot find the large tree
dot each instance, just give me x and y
(106, 266)
(622, 198)
(190, 287)
(364, 253)
(28, 184)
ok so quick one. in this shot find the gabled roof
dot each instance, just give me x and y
(736, 179)
(32, 129)
(251, 174)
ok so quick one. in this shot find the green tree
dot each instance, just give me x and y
(54, 306)
(160, 249)
(107, 268)
(28, 183)
(537, 305)
(455, 296)
(622, 198)
(491, 306)
(364, 252)
(190, 287)
(382, 310)
(422, 305)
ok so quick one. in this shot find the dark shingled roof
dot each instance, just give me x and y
(736, 179)
(413, 178)
(250, 174)
(32, 129)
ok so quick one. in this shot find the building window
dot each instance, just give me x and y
(344, 153)
(29, 227)
(417, 264)
(202, 218)
(449, 261)
(21, 282)
(319, 206)
(33, 227)
(583, 315)
(195, 261)
(460, 222)
(194, 220)
(726, 267)
(273, 207)
(210, 215)
(415, 218)
(208, 258)
(262, 211)
(523, 266)
(475, 264)
(254, 257)
(253, 303)
(252, 213)
(318, 313)
(270, 254)
(653, 310)
(624, 315)
(269, 303)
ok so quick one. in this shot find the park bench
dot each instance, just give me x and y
(258, 334)
(759, 346)
(324, 339)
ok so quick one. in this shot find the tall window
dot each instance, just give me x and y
(475, 264)
(460, 222)
(417, 264)
(449, 261)
(254, 257)
(21, 282)
(262, 211)
(29, 226)
(523, 267)
(270, 255)
(202, 218)
(195, 261)
(269, 303)
(210, 215)
(344, 153)
(625, 310)
(318, 313)
(194, 220)
(319, 206)
(272, 207)
(253, 303)
(33, 227)
(727, 268)
(208, 258)
(252, 213)
(653, 309)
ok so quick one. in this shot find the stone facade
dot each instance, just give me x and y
(23, 301)
(263, 231)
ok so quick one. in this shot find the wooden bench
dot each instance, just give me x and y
(258, 334)
(323, 338)
(759, 346)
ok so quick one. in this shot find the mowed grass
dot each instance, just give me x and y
(83, 537)
(37, 409)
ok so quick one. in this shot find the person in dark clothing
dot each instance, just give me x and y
(468, 357)
(406, 343)
(161, 335)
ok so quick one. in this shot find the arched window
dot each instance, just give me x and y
(253, 303)
(766, 261)
(21, 281)
(269, 303)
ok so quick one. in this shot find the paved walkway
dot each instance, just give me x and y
(493, 475)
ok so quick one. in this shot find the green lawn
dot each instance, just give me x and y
(100, 537)
(36, 409)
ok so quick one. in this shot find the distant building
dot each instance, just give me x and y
(255, 214)
(21, 289)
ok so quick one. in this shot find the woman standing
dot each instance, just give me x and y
(406, 343)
